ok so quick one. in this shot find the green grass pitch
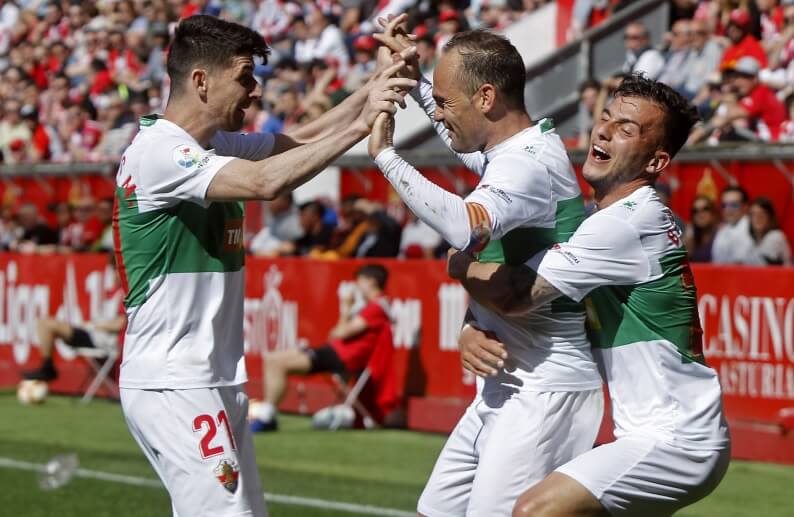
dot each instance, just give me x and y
(379, 468)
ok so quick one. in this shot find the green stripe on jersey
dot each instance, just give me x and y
(521, 244)
(184, 238)
(662, 309)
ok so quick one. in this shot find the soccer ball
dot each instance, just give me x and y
(32, 392)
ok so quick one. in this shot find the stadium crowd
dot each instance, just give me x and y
(77, 75)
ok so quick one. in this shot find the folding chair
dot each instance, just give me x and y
(101, 362)
(351, 397)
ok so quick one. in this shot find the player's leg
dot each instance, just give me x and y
(194, 440)
(48, 330)
(532, 434)
(634, 475)
(447, 490)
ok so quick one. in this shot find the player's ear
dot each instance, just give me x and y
(659, 162)
(198, 77)
(487, 97)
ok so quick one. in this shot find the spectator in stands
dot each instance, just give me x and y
(770, 246)
(787, 129)
(33, 234)
(588, 99)
(674, 74)
(771, 20)
(103, 332)
(84, 230)
(283, 225)
(733, 241)
(426, 53)
(328, 40)
(104, 214)
(641, 57)
(418, 239)
(15, 135)
(758, 106)
(316, 232)
(359, 337)
(702, 60)
(382, 235)
(363, 66)
(40, 135)
(743, 43)
(699, 234)
(352, 229)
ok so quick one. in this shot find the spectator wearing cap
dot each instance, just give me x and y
(743, 43)
(703, 58)
(364, 49)
(15, 135)
(758, 104)
(641, 57)
(448, 25)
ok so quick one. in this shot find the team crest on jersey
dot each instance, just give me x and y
(228, 474)
(186, 156)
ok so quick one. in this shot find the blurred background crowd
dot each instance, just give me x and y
(77, 75)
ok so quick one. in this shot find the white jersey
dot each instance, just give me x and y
(529, 190)
(630, 259)
(181, 259)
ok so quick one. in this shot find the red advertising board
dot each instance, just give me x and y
(747, 316)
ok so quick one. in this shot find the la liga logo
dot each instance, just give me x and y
(186, 156)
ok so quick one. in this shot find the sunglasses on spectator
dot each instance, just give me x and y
(702, 208)
(732, 204)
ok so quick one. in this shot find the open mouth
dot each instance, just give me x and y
(600, 154)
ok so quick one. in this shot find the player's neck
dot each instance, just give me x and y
(191, 121)
(512, 124)
(618, 192)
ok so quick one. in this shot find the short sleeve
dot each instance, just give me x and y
(751, 105)
(373, 314)
(605, 250)
(515, 191)
(184, 173)
(248, 146)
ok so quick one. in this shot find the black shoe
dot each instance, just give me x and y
(45, 373)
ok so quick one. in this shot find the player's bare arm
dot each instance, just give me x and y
(269, 178)
(344, 114)
(500, 287)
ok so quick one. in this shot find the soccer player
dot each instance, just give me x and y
(672, 445)
(353, 342)
(179, 238)
(539, 400)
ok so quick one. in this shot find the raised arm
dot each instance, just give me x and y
(273, 176)
(396, 40)
(340, 117)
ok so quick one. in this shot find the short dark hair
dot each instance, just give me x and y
(211, 42)
(736, 188)
(313, 206)
(376, 272)
(589, 83)
(680, 115)
(489, 58)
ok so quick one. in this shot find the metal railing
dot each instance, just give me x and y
(553, 82)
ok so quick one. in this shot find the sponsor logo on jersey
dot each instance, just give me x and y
(570, 257)
(228, 474)
(233, 235)
(630, 205)
(189, 157)
(499, 192)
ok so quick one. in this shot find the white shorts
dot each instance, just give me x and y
(199, 443)
(506, 442)
(639, 475)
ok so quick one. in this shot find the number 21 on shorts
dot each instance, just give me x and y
(208, 424)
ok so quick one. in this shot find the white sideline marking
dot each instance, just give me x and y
(310, 502)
